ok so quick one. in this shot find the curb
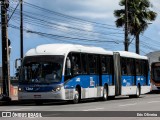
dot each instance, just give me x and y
(13, 102)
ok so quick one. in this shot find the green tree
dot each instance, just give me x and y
(139, 15)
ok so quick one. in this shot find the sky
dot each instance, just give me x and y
(86, 22)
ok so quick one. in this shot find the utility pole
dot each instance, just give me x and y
(126, 42)
(137, 43)
(21, 28)
(5, 50)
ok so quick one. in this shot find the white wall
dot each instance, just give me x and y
(153, 56)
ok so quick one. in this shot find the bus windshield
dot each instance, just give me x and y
(41, 69)
(156, 74)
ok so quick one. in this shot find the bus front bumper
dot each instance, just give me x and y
(41, 96)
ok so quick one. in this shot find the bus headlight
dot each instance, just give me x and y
(20, 89)
(56, 89)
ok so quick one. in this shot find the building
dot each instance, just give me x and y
(14, 88)
(13, 85)
(153, 56)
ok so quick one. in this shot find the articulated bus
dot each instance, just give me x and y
(75, 72)
(155, 76)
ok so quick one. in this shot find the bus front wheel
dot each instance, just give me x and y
(76, 98)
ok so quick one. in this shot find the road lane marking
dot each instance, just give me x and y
(153, 101)
(94, 109)
(51, 115)
(17, 109)
(127, 105)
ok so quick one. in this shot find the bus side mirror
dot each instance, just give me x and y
(16, 63)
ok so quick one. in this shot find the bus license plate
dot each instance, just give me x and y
(37, 96)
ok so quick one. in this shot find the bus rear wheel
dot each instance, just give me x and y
(138, 93)
(105, 93)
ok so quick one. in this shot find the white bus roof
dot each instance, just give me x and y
(62, 49)
(131, 55)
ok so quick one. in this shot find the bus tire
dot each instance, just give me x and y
(138, 92)
(105, 93)
(76, 98)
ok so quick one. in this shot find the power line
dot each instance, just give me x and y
(30, 18)
(69, 27)
(77, 23)
(46, 23)
(60, 36)
(13, 11)
(77, 33)
(66, 16)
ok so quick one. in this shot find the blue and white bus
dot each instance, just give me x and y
(155, 76)
(75, 72)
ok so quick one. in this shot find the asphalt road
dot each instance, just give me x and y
(149, 102)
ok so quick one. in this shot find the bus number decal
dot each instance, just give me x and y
(78, 80)
(91, 81)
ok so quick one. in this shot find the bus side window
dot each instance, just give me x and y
(68, 66)
(138, 67)
(76, 63)
(124, 66)
(129, 66)
(84, 63)
(92, 64)
(68, 73)
(104, 69)
(96, 62)
(144, 68)
(106, 65)
(108, 60)
(132, 65)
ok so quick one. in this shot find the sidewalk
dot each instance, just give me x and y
(14, 101)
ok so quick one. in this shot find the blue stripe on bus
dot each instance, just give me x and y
(88, 81)
(130, 80)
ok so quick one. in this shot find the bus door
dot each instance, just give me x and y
(145, 70)
(128, 71)
(94, 79)
(106, 70)
(117, 73)
(141, 72)
(92, 67)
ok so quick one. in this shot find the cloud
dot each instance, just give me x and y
(155, 3)
(88, 27)
(92, 9)
(63, 27)
(92, 15)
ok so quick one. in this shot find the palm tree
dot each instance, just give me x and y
(139, 15)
